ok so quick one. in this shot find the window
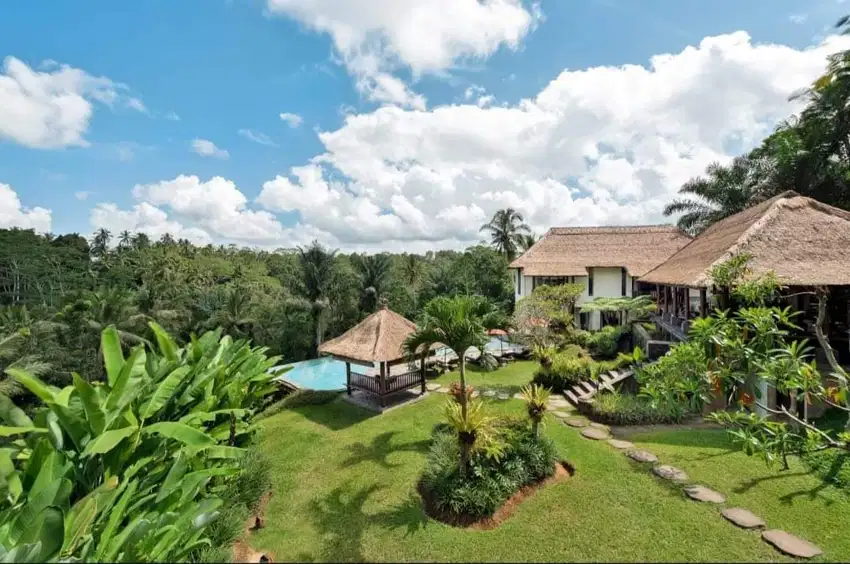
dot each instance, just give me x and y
(550, 280)
(584, 320)
(624, 280)
(589, 281)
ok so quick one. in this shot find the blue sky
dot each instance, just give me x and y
(208, 69)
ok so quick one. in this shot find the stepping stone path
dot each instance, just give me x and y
(618, 444)
(642, 456)
(743, 518)
(490, 393)
(432, 387)
(671, 473)
(474, 394)
(561, 414)
(503, 396)
(595, 434)
(789, 544)
(600, 426)
(518, 396)
(557, 403)
(702, 493)
(576, 422)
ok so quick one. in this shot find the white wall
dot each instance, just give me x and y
(607, 282)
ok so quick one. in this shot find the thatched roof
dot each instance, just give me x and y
(378, 338)
(570, 251)
(806, 242)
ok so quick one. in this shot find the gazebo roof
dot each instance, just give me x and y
(378, 338)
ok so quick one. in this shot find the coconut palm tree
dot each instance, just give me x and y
(374, 273)
(723, 191)
(526, 241)
(125, 240)
(100, 242)
(317, 269)
(459, 323)
(141, 241)
(505, 230)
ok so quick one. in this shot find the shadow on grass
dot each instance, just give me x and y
(409, 514)
(814, 493)
(335, 415)
(340, 521)
(380, 448)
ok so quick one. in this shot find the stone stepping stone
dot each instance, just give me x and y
(432, 387)
(790, 544)
(671, 473)
(702, 493)
(561, 414)
(743, 518)
(618, 444)
(503, 396)
(577, 422)
(595, 434)
(518, 396)
(558, 403)
(489, 393)
(600, 426)
(642, 456)
(474, 394)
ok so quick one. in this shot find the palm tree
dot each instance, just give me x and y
(526, 241)
(166, 240)
(317, 270)
(458, 323)
(724, 191)
(505, 229)
(125, 240)
(141, 241)
(100, 242)
(233, 313)
(374, 273)
(411, 269)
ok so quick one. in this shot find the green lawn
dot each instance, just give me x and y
(510, 378)
(345, 490)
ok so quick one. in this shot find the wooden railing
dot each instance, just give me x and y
(366, 383)
(403, 381)
(392, 384)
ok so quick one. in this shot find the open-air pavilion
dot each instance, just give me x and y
(376, 362)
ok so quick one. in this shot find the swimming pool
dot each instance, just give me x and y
(324, 373)
(327, 373)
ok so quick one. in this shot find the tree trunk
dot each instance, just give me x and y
(823, 295)
(464, 447)
(535, 429)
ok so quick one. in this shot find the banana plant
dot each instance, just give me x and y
(127, 469)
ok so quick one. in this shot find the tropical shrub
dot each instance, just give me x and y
(605, 342)
(571, 367)
(535, 397)
(677, 380)
(491, 480)
(628, 409)
(133, 468)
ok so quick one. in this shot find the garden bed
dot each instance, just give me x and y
(563, 470)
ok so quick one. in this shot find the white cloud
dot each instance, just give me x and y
(172, 116)
(144, 218)
(52, 108)
(207, 148)
(257, 137)
(82, 195)
(13, 214)
(798, 18)
(375, 38)
(292, 120)
(605, 145)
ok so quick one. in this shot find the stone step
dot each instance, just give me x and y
(571, 397)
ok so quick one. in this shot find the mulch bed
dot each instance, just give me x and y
(242, 551)
(563, 470)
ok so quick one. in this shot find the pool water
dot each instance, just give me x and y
(324, 373)
(327, 373)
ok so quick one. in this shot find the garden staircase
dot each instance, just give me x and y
(583, 391)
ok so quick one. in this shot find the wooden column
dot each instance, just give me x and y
(382, 384)
(703, 302)
(666, 306)
(675, 301)
(422, 370)
(348, 378)
(658, 299)
(687, 303)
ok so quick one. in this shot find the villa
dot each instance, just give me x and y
(608, 261)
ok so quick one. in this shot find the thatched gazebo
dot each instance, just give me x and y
(377, 345)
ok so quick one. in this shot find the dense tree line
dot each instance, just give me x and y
(57, 294)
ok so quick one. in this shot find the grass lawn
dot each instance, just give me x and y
(345, 491)
(510, 378)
